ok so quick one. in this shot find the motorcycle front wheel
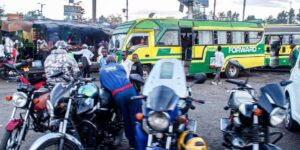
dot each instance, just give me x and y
(53, 144)
(10, 140)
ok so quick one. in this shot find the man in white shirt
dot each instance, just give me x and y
(126, 63)
(219, 55)
(87, 55)
(2, 54)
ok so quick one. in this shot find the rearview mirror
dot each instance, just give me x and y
(285, 82)
(236, 64)
(137, 78)
(200, 78)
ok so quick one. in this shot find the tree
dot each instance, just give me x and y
(221, 16)
(229, 16)
(102, 19)
(292, 16)
(271, 20)
(235, 16)
(1, 11)
(251, 17)
(298, 16)
(114, 20)
(282, 17)
(32, 15)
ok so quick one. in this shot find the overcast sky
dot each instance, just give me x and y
(141, 8)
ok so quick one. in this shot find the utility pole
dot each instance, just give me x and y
(94, 10)
(214, 13)
(42, 5)
(244, 8)
(127, 10)
(289, 18)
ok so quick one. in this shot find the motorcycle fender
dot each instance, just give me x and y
(13, 124)
(141, 137)
(49, 136)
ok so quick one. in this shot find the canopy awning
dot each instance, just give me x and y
(12, 26)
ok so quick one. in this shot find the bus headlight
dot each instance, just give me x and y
(159, 121)
(19, 99)
(277, 116)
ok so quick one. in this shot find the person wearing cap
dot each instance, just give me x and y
(293, 54)
(86, 57)
(60, 61)
(114, 79)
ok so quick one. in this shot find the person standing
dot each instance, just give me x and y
(60, 61)
(219, 55)
(293, 55)
(126, 63)
(113, 78)
(86, 57)
(137, 68)
(102, 60)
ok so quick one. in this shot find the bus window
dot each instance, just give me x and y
(222, 37)
(137, 40)
(229, 37)
(286, 39)
(170, 38)
(238, 38)
(254, 37)
(296, 39)
(205, 37)
(275, 39)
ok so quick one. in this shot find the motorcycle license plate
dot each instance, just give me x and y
(212, 61)
(224, 122)
(192, 125)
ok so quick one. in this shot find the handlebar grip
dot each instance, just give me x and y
(198, 101)
(239, 83)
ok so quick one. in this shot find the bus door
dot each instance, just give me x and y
(275, 43)
(285, 50)
(186, 38)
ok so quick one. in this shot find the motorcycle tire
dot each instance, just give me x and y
(54, 144)
(4, 75)
(8, 137)
(290, 123)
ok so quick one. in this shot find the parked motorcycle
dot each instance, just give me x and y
(82, 117)
(31, 100)
(250, 118)
(4, 70)
(165, 123)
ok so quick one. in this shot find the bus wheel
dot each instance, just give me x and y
(232, 71)
(146, 70)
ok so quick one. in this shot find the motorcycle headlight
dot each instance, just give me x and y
(277, 116)
(19, 99)
(159, 121)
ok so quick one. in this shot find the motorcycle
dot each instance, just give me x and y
(165, 123)
(250, 118)
(82, 117)
(31, 99)
(4, 70)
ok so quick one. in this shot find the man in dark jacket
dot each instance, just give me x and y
(114, 79)
(137, 68)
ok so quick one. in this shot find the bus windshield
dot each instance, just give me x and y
(117, 41)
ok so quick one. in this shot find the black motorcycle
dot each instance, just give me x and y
(247, 126)
(82, 117)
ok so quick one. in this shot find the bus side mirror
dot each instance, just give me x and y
(268, 49)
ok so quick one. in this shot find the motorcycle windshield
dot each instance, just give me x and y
(271, 95)
(59, 91)
(169, 73)
(162, 98)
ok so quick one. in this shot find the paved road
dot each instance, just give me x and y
(207, 115)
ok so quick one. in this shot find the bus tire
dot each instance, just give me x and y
(146, 70)
(231, 71)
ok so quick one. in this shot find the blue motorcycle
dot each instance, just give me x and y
(164, 123)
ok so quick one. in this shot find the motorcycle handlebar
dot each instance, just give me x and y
(198, 101)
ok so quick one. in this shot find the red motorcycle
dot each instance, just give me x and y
(31, 100)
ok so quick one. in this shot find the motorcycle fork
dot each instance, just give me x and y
(63, 125)
(255, 131)
(169, 138)
(24, 126)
